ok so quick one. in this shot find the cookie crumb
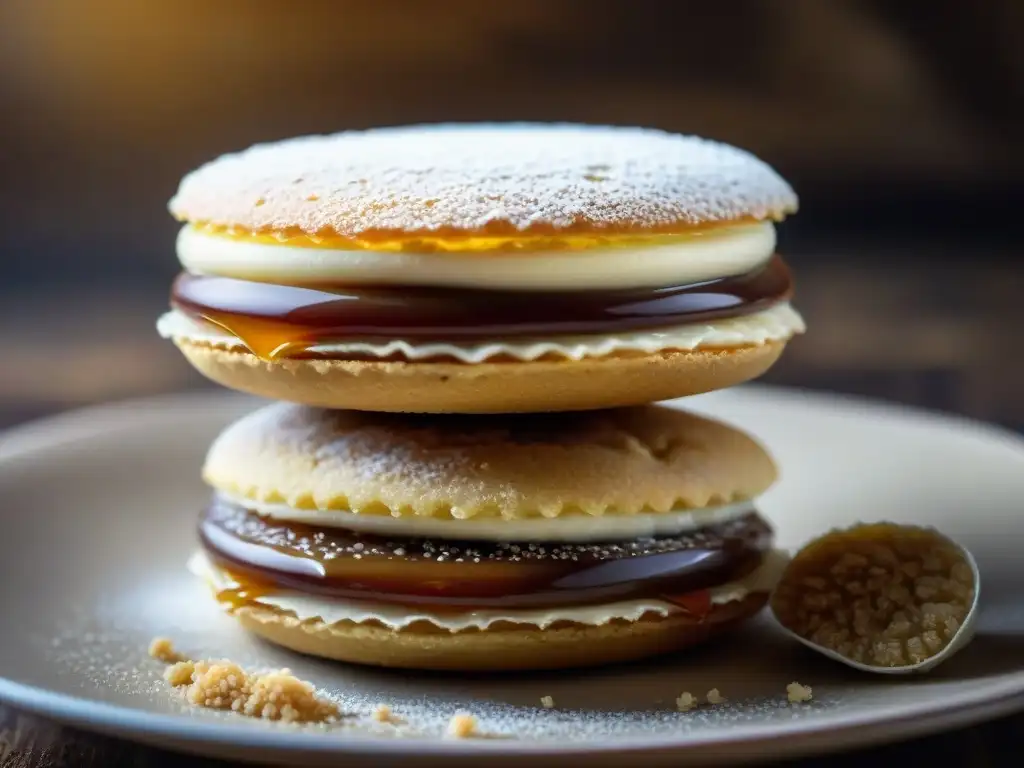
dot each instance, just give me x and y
(547, 702)
(687, 701)
(462, 726)
(162, 649)
(382, 714)
(275, 695)
(797, 694)
(714, 697)
(179, 673)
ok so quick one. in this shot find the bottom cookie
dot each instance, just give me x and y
(500, 647)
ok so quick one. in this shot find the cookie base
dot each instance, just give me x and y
(501, 647)
(505, 387)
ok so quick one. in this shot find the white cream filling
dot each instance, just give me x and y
(571, 528)
(703, 255)
(777, 323)
(333, 610)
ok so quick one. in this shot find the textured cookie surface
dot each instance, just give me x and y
(627, 461)
(484, 179)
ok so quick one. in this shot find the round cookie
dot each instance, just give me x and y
(515, 210)
(458, 180)
(492, 542)
(648, 459)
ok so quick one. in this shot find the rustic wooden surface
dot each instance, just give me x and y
(929, 330)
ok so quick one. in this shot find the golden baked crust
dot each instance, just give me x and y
(451, 181)
(506, 387)
(509, 647)
(624, 461)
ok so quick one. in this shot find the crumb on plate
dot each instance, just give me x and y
(462, 726)
(179, 673)
(162, 649)
(686, 701)
(276, 695)
(714, 697)
(797, 693)
(382, 714)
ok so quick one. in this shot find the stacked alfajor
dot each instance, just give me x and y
(467, 327)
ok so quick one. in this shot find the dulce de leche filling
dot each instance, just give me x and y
(277, 321)
(265, 556)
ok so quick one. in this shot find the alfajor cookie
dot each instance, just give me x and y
(482, 268)
(490, 541)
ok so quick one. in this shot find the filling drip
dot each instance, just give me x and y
(280, 321)
(264, 557)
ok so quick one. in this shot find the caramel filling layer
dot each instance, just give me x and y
(277, 321)
(265, 556)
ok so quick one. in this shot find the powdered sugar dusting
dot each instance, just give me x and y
(489, 178)
(111, 664)
(626, 461)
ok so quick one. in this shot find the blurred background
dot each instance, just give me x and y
(899, 123)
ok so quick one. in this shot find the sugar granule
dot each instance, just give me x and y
(878, 594)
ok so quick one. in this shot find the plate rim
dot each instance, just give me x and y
(787, 739)
(150, 728)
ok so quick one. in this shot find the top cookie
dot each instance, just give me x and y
(482, 180)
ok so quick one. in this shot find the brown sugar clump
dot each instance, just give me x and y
(881, 595)
(271, 696)
(162, 649)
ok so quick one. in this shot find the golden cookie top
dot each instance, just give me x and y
(649, 459)
(481, 181)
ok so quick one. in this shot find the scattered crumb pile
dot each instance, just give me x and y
(686, 701)
(880, 594)
(225, 685)
(714, 697)
(462, 727)
(547, 702)
(798, 694)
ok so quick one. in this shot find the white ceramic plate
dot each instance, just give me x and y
(98, 519)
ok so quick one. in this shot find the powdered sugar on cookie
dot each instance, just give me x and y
(487, 179)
